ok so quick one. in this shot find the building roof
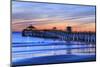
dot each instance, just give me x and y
(31, 27)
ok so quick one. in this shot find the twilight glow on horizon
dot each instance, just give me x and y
(49, 15)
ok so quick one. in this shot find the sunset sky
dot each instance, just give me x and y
(46, 16)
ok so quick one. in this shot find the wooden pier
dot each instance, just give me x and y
(89, 37)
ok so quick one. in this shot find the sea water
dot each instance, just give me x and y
(33, 47)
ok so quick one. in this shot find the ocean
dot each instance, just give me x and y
(33, 50)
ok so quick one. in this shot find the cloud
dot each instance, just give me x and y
(45, 13)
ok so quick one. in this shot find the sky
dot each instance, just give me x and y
(49, 15)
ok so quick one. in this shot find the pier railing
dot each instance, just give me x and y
(89, 37)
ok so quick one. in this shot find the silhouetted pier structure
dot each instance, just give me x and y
(89, 37)
(33, 32)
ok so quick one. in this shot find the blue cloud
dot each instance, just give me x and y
(34, 10)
